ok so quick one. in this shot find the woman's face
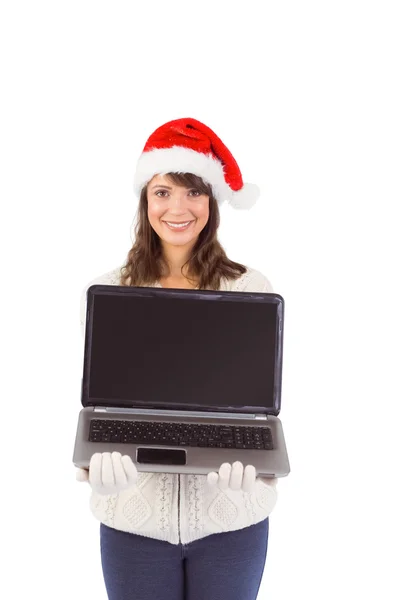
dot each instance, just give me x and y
(177, 214)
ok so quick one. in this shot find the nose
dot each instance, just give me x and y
(178, 200)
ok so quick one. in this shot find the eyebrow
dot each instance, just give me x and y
(165, 187)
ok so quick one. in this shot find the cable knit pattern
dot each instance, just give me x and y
(158, 506)
(195, 503)
(143, 479)
(249, 507)
(103, 507)
(164, 495)
(136, 510)
(223, 512)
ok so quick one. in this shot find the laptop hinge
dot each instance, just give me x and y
(180, 413)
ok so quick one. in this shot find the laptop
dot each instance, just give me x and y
(183, 380)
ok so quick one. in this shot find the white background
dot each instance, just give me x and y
(306, 96)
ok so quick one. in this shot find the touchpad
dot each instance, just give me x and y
(159, 456)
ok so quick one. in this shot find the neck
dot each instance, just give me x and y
(175, 257)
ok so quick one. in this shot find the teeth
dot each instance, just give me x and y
(176, 225)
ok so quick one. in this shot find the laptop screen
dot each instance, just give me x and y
(182, 351)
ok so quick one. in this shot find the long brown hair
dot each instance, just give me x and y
(208, 263)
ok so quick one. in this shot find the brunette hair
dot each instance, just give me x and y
(208, 263)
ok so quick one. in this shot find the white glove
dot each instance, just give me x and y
(234, 477)
(109, 473)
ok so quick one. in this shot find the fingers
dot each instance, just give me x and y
(110, 473)
(224, 476)
(107, 471)
(249, 479)
(130, 469)
(118, 470)
(236, 476)
(95, 471)
(101, 472)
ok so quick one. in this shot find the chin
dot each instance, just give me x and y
(181, 241)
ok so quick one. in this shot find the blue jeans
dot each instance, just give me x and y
(222, 566)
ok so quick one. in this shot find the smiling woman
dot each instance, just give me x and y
(158, 529)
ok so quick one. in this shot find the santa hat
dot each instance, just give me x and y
(188, 146)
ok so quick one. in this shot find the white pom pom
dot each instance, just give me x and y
(246, 197)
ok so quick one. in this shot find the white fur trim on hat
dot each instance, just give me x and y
(246, 197)
(184, 160)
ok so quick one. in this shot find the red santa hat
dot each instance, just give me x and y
(188, 146)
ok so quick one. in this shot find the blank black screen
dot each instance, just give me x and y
(180, 352)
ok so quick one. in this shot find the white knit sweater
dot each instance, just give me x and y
(182, 508)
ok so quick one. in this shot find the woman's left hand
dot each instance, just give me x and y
(234, 477)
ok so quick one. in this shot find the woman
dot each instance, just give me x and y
(167, 536)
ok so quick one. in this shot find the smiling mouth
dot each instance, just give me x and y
(178, 225)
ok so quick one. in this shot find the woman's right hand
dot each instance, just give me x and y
(109, 473)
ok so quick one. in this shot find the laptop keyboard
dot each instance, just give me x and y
(180, 434)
